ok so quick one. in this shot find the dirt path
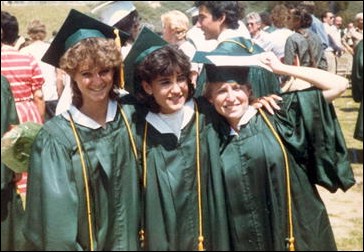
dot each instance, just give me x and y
(346, 214)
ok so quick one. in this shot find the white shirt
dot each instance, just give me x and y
(172, 123)
(37, 49)
(249, 114)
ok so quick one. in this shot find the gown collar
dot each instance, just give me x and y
(172, 123)
(84, 120)
(249, 114)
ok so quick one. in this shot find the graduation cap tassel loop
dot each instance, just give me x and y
(118, 43)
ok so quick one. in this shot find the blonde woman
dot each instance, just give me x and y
(175, 26)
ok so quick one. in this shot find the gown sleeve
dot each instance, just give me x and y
(9, 117)
(52, 192)
(310, 128)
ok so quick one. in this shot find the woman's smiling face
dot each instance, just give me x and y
(170, 92)
(94, 82)
(230, 100)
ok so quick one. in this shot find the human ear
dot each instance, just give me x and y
(147, 88)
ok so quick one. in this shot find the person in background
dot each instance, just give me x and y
(53, 85)
(334, 49)
(357, 88)
(272, 163)
(175, 26)
(122, 15)
(303, 47)
(355, 34)
(83, 191)
(12, 212)
(266, 22)
(195, 34)
(25, 78)
(258, 36)
(220, 20)
(279, 15)
(317, 26)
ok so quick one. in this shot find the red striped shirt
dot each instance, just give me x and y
(25, 77)
(22, 72)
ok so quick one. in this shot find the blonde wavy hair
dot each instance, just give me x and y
(36, 30)
(177, 21)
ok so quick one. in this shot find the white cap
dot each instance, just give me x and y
(192, 11)
(112, 12)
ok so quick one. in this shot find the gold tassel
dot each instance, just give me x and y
(200, 243)
(141, 238)
(118, 43)
(291, 244)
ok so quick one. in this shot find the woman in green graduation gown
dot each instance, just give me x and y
(12, 212)
(272, 163)
(83, 191)
(179, 150)
(357, 88)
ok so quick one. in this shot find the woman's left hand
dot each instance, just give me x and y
(268, 102)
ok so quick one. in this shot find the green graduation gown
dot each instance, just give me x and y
(254, 173)
(12, 212)
(357, 88)
(171, 198)
(56, 216)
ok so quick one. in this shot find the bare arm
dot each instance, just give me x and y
(39, 102)
(332, 85)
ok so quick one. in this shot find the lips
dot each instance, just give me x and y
(98, 89)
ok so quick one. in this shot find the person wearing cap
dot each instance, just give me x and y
(183, 207)
(122, 15)
(220, 20)
(12, 212)
(272, 163)
(83, 189)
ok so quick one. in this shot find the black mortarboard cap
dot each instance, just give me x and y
(229, 74)
(76, 27)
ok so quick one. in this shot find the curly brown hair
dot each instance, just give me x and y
(102, 52)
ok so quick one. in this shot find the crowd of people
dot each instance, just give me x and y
(205, 137)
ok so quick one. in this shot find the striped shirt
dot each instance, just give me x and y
(25, 77)
(22, 72)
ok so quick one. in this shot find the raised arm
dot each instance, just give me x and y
(332, 85)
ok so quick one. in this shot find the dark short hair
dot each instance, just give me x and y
(10, 28)
(126, 24)
(161, 62)
(233, 10)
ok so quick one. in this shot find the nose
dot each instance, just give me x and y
(176, 88)
(230, 96)
(97, 78)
